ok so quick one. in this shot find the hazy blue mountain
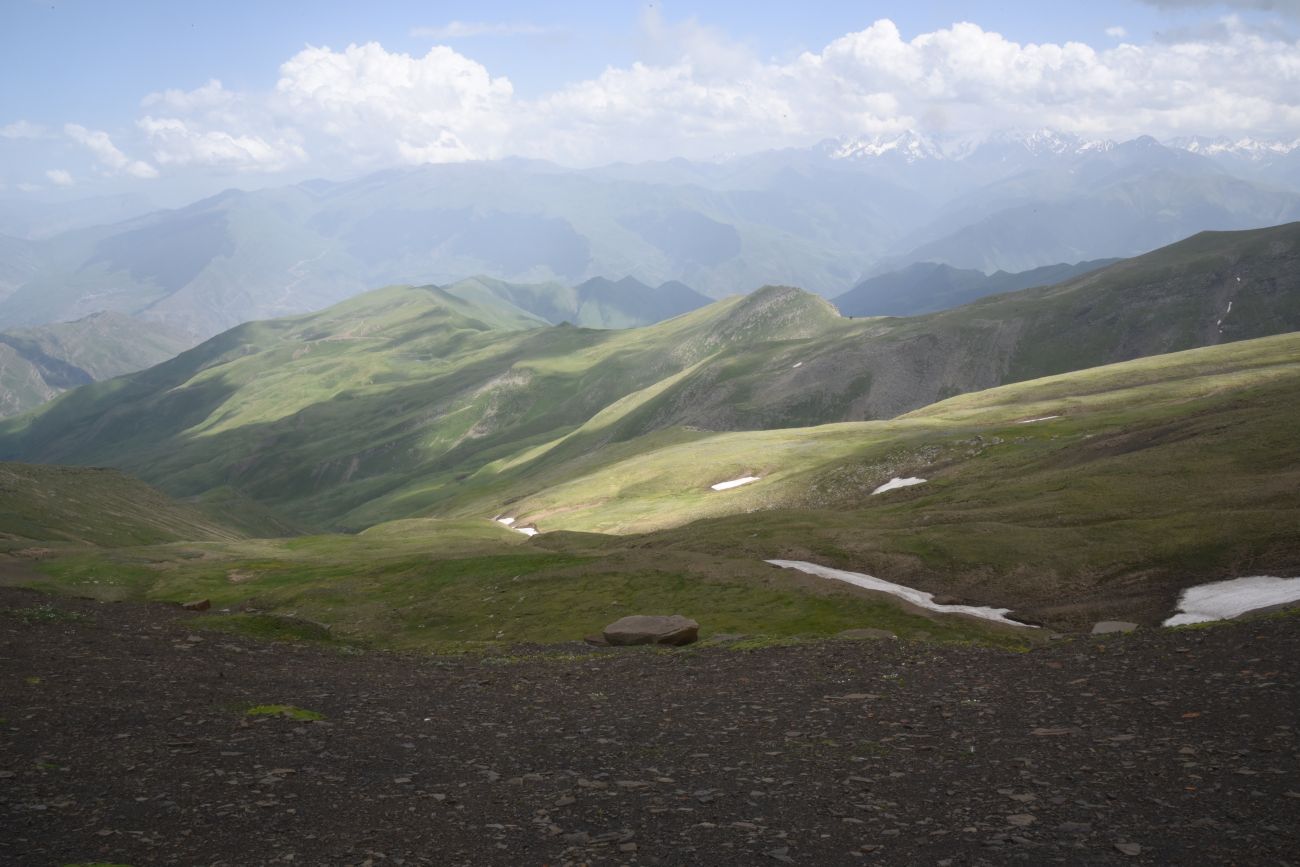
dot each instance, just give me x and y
(31, 219)
(821, 217)
(926, 287)
(37, 364)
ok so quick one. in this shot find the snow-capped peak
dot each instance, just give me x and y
(913, 146)
(910, 145)
(1250, 148)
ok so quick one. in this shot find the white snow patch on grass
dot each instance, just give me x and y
(1222, 600)
(798, 364)
(734, 483)
(506, 521)
(1040, 418)
(892, 484)
(527, 531)
(916, 597)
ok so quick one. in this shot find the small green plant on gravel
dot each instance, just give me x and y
(45, 613)
(284, 710)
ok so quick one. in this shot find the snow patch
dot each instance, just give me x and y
(916, 597)
(798, 364)
(1040, 418)
(1222, 600)
(897, 483)
(734, 483)
(506, 521)
(527, 531)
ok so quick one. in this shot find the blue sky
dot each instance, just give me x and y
(587, 82)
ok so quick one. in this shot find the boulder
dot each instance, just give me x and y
(652, 629)
(197, 605)
(1106, 627)
(868, 633)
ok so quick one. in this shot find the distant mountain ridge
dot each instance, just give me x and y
(37, 364)
(397, 400)
(927, 287)
(823, 217)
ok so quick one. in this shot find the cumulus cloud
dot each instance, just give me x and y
(469, 29)
(60, 177)
(21, 129)
(107, 153)
(176, 142)
(696, 93)
(210, 96)
(381, 105)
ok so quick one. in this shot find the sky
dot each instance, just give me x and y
(171, 100)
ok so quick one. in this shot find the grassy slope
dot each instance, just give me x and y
(408, 401)
(1159, 473)
(75, 505)
(38, 363)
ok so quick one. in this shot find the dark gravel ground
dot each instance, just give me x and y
(124, 740)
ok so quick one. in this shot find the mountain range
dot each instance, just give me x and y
(387, 404)
(1074, 451)
(825, 218)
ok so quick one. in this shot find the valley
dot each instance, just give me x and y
(650, 435)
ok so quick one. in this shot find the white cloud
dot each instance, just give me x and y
(21, 129)
(697, 93)
(27, 187)
(107, 153)
(176, 142)
(469, 29)
(209, 96)
(1116, 32)
(381, 106)
(60, 177)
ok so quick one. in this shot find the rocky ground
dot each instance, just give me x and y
(125, 739)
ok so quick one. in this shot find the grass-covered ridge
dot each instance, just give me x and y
(1153, 475)
(412, 401)
(90, 506)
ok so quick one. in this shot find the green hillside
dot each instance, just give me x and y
(1154, 475)
(403, 401)
(595, 303)
(91, 506)
(38, 363)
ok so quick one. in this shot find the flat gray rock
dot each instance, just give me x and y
(1106, 627)
(675, 630)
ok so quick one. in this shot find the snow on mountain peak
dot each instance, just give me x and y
(913, 147)
(1249, 148)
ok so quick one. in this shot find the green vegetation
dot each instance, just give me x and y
(44, 613)
(40, 362)
(421, 416)
(285, 710)
(89, 506)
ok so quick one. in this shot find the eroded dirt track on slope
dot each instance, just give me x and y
(124, 740)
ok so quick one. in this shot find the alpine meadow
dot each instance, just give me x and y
(629, 435)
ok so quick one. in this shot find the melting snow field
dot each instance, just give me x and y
(734, 483)
(1226, 599)
(1041, 418)
(509, 522)
(897, 483)
(916, 597)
